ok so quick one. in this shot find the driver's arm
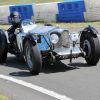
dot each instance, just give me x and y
(12, 29)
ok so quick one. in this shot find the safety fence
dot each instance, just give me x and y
(66, 11)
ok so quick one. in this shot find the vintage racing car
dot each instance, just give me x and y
(37, 43)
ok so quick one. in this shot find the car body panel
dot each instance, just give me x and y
(29, 28)
(32, 29)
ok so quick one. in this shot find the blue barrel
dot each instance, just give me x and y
(71, 17)
(26, 11)
(71, 11)
(72, 6)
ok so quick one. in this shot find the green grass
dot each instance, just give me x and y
(66, 25)
(3, 97)
(43, 1)
(78, 25)
(7, 2)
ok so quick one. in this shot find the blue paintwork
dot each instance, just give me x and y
(43, 46)
(45, 30)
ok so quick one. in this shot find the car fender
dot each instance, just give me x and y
(5, 33)
(92, 31)
(29, 37)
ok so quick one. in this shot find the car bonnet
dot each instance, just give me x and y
(43, 30)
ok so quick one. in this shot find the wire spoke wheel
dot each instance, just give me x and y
(87, 48)
(32, 57)
(91, 47)
(28, 57)
(3, 47)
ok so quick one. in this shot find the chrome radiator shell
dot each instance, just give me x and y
(64, 40)
(67, 51)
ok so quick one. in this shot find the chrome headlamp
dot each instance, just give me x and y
(74, 36)
(54, 38)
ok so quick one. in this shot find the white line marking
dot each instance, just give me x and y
(35, 87)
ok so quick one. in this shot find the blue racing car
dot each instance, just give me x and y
(37, 43)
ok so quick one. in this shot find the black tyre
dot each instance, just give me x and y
(91, 47)
(3, 47)
(32, 57)
(47, 24)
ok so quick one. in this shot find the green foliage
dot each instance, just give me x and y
(65, 25)
(2, 97)
(7, 2)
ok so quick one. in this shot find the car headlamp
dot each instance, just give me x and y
(74, 36)
(54, 38)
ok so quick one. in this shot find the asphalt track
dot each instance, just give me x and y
(53, 83)
(80, 83)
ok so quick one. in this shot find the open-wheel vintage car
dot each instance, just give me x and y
(37, 43)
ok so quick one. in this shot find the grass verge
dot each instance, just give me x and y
(78, 25)
(3, 97)
(9, 2)
(65, 25)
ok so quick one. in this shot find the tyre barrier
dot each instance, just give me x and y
(67, 11)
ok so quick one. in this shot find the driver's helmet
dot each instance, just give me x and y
(15, 17)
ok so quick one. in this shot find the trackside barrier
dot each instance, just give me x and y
(92, 10)
(46, 11)
(71, 11)
(26, 11)
(67, 11)
(4, 13)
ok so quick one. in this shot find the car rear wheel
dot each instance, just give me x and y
(32, 57)
(91, 47)
(3, 47)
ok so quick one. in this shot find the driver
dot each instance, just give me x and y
(15, 20)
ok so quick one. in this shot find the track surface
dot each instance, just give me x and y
(81, 83)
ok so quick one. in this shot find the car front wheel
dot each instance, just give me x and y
(91, 47)
(32, 57)
(3, 47)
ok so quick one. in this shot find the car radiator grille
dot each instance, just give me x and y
(64, 41)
